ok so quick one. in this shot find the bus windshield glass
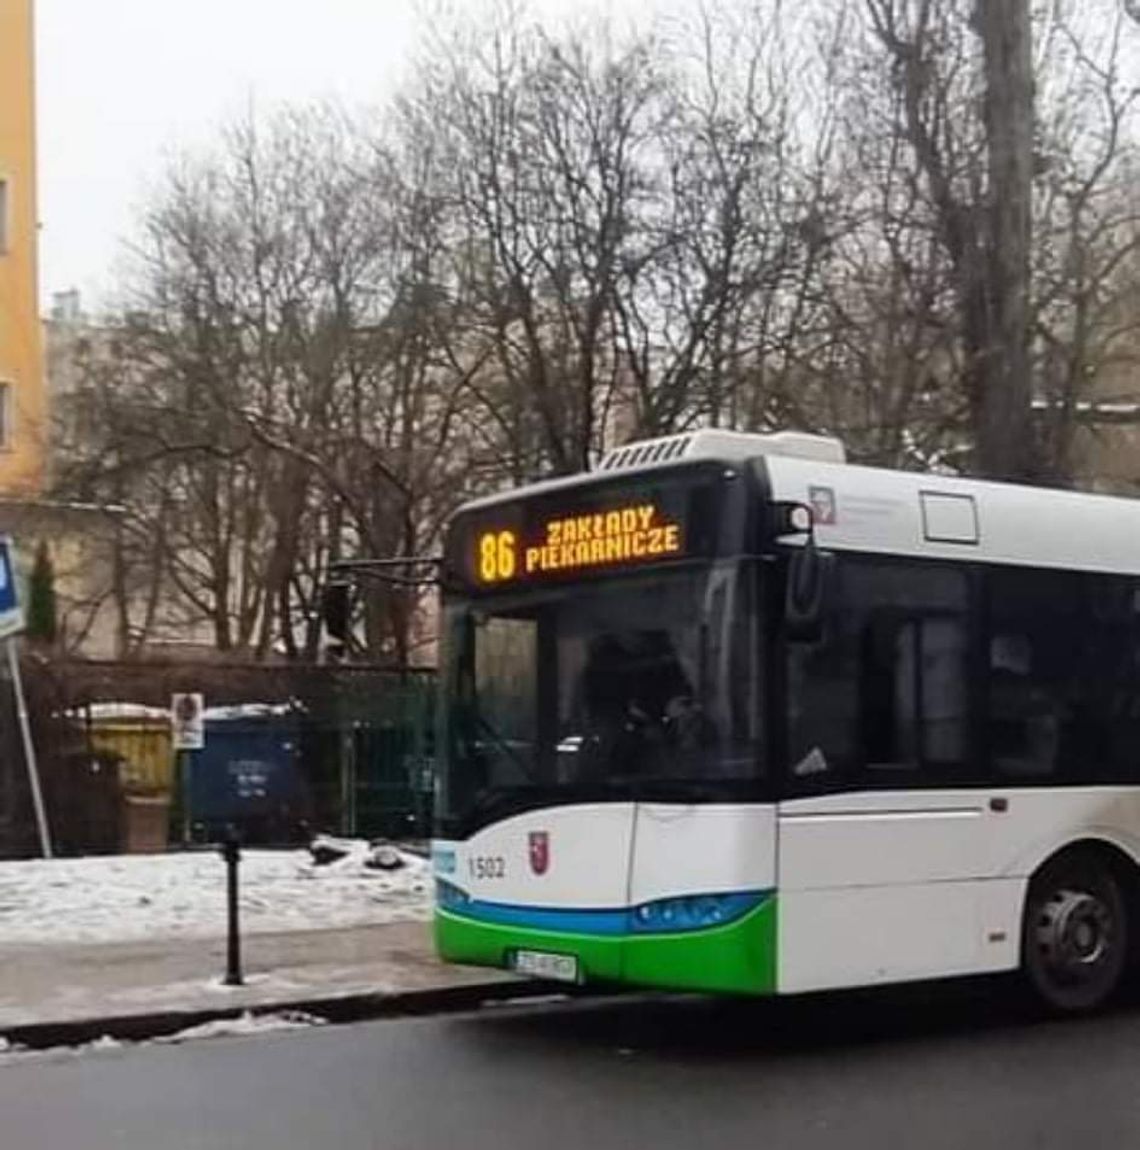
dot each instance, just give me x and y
(623, 688)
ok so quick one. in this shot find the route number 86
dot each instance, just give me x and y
(497, 560)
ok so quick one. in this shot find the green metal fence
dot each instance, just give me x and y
(365, 746)
(371, 764)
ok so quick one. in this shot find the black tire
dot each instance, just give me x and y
(1074, 942)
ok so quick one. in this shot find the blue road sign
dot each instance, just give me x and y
(11, 617)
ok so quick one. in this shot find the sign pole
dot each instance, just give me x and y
(188, 732)
(184, 758)
(11, 624)
(29, 748)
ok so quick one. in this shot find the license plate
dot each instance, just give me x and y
(541, 964)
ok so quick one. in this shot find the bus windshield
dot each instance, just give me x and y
(624, 688)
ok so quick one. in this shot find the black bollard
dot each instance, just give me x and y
(231, 852)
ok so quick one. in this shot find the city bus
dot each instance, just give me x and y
(730, 714)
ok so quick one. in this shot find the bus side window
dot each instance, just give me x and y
(1104, 742)
(940, 691)
(885, 690)
(1063, 692)
(1024, 718)
(914, 703)
(1036, 630)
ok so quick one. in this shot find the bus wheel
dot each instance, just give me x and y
(1075, 937)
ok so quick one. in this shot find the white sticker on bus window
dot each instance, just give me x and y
(813, 763)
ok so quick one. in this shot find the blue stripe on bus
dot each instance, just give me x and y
(661, 916)
(565, 920)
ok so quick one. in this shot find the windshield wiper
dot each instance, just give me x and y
(489, 799)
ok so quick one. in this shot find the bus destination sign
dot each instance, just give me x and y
(632, 533)
(588, 531)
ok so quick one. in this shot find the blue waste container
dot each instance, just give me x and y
(249, 775)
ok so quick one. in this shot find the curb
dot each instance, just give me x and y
(332, 1009)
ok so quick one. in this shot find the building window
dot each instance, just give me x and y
(5, 416)
(5, 205)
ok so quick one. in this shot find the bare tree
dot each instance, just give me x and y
(863, 217)
(1085, 267)
(934, 68)
(103, 455)
(291, 404)
(974, 123)
(548, 146)
(708, 316)
(1006, 446)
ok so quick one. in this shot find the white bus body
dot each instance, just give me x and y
(871, 881)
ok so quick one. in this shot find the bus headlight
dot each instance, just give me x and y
(692, 912)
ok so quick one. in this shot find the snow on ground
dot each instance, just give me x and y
(272, 1022)
(247, 1023)
(128, 898)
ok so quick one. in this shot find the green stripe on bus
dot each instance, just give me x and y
(739, 957)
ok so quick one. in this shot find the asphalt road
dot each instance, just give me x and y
(924, 1069)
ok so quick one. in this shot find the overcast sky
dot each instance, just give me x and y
(122, 83)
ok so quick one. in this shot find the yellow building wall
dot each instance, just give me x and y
(21, 356)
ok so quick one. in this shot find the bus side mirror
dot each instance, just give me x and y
(809, 577)
(335, 610)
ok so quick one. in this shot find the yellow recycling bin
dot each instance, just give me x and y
(140, 737)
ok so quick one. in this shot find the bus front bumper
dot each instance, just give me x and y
(738, 957)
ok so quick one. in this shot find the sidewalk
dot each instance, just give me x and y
(139, 989)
